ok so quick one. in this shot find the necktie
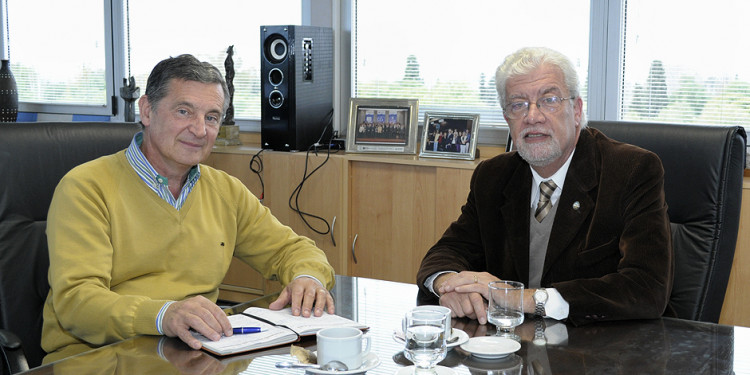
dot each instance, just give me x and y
(546, 188)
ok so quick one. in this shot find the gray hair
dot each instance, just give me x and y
(185, 67)
(527, 59)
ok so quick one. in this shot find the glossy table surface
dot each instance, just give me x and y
(663, 346)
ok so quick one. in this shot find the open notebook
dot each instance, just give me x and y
(277, 328)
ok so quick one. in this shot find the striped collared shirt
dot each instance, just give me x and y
(155, 181)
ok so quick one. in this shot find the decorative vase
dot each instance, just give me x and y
(8, 94)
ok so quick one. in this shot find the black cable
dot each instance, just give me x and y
(298, 190)
(256, 165)
(7, 28)
(127, 22)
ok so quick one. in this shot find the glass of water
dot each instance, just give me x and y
(425, 346)
(505, 308)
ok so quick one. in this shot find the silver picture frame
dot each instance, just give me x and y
(449, 135)
(382, 126)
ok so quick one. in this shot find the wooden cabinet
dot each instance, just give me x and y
(321, 196)
(397, 212)
(736, 305)
(390, 211)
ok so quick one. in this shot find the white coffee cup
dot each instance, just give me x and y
(441, 309)
(343, 344)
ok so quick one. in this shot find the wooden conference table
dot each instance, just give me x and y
(662, 346)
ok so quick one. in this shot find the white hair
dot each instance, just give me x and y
(525, 60)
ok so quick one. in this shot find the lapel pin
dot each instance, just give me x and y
(576, 205)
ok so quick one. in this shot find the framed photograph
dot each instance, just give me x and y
(382, 126)
(449, 135)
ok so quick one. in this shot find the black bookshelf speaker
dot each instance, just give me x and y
(296, 86)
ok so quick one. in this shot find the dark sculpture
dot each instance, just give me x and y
(229, 70)
(129, 92)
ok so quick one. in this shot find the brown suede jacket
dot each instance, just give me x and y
(610, 250)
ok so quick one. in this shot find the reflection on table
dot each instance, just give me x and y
(663, 346)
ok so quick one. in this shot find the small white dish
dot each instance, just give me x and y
(463, 337)
(439, 370)
(370, 361)
(491, 347)
(498, 365)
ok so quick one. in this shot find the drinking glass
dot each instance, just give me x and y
(425, 339)
(505, 308)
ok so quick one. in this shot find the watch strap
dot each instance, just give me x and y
(539, 308)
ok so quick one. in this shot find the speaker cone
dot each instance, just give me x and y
(275, 76)
(275, 48)
(276, 99)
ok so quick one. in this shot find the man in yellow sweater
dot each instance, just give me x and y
(140, 240)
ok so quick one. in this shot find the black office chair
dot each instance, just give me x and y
(33, 159)
(703, 172)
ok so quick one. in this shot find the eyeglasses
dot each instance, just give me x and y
(519, 109)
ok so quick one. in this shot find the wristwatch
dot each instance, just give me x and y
(540, 299)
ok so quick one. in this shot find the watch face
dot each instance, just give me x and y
(540, 295)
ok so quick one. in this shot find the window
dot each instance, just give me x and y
(686, 63)
(649, 61)
(445, 52)
(160, 29)
(58, 56)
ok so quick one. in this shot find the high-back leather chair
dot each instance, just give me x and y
(703, 173)
(33, 159)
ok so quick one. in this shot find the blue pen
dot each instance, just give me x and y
(243, 330)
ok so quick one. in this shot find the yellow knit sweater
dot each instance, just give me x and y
(118, 252)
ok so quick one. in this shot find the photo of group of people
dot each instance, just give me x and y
(449, 134)
(450, 140)
(382, 125)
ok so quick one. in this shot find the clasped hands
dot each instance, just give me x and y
(465, 293)
(306, 296)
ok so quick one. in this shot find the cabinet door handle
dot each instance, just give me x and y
(354, 255)
(333, 225)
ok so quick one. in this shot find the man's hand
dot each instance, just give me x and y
(198, 313)
(305, 294)
(470, 305)
(464, 282)
(464, 293)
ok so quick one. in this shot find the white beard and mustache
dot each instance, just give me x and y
(538, 154)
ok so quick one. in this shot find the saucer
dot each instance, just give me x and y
(511, 361)
(463, 337)
(491, 347)
(439, 370)
(370, 361)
